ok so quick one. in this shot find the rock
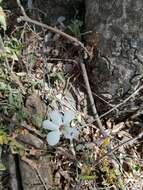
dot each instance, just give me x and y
(31, 179)
(11, 181)
(35, 105)
(119, 27)
(30, 139)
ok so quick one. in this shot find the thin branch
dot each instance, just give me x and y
(64, 60)
(21, 8)
(74, 61)
(26, 18)
(124, 101)
(75, 41)
(118, 105)
(42, 180)
(130, 141)
(94, 110)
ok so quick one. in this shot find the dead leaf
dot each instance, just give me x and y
(85, 169)
(57, 179)
(29, 162)
(118, 127)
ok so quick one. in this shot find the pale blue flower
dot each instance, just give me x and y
(60, 124)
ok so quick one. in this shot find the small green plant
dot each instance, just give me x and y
(15, 147)
(57, 78)
(13, 96)
(75, 28)
(13, 48)
(110, 175)
(37, 120)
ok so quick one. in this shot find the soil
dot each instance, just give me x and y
(112, 32)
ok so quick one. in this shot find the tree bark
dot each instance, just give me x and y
(119, 27)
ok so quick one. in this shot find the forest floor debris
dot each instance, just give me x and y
(39, 75)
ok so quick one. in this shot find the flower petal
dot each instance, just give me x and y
(56, 117)
(53, 137)
(71, 133)
(68, 117)
(50, 125)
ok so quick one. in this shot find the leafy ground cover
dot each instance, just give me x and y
(42, 92)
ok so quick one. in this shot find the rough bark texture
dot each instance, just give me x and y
(119, 25)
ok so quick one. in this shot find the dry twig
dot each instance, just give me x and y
(26, 18)
(124, 101)
(84, 72)
(75, 41)
(95, 113)
(128, 142)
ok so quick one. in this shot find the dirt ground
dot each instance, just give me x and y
(73, 69)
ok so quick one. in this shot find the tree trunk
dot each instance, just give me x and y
(119, 27)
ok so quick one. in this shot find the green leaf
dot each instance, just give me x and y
(15, 98)
(61, 77)
(37, 120)
(23, 114)
(2, 19)
(136, 168)
(3, 138)
(11, 53)
(87, 177)
(3, 86)
(14, 57)
(75, 28)
(16, 147)
(2, 167)
(121, 183)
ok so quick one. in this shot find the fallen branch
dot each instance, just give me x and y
(75, 62)
(26, 18)
(75, 41)
(94, 110)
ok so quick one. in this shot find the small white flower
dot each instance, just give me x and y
(59, 125)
